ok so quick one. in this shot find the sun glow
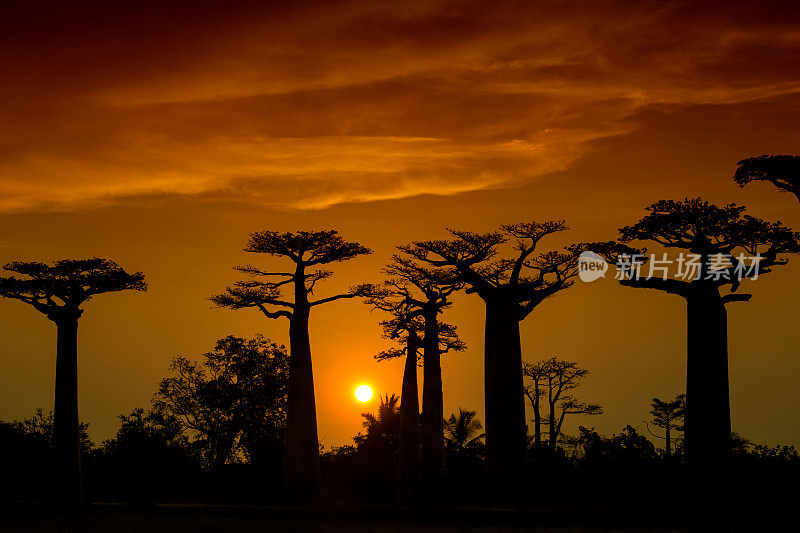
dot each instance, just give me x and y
(364, 393)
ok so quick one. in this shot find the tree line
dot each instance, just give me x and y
(506, 268)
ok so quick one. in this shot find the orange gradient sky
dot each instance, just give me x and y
(161, 134)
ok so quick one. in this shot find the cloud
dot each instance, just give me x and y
(306, 105)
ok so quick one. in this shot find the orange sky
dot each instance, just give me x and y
(160, 136)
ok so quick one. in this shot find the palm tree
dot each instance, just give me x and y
(463, 435)
(383, 428)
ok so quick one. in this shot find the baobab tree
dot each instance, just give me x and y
(511, 289)
(425, 292)
(725, 246)
(668, 416)
(783, 171)
(404, 329)
(307, 251)
(552, 380)
(416, 296)
(58, 291)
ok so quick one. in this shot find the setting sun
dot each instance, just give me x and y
(364, 393)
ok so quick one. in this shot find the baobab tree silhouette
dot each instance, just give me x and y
(58, 291)
(421, 291)
(511, 289)
(717, 238)
(307, 250)
(404, 328)
(553, 379)
(783, 171)
(416, 296)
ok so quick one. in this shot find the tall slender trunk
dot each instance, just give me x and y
(409, 426)
(301, 472)
(708, 415)
(433, 467)
(65, 413)
(551, 426)
(537, 417)
(505, 406)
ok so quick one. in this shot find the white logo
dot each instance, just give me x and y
(591, 266)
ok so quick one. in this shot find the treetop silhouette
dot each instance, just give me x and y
(399, 331)
(60, 288)
(706, 230)
(529, 278)
(305, 249)
(783, 171)
(464, 434)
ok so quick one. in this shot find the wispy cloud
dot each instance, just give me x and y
(306, 106)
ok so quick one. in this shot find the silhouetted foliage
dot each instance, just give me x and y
(232, 402)
(370, 468)
(306, 251)
(382, 428)
(27, 456)
(463, 435)
(150, 456)
(625, 448)
(783, 171)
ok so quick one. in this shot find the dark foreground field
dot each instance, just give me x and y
(176, 518)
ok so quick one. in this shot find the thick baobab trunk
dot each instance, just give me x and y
(505, 406)
(65, 413)
(409, 426)
(301, 447)
(433, 467)
(708, 414)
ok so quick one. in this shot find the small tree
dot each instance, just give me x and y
(383, 428)
(307, 251)
(553, 379)
(719, 241)
(238, 389)
(58, 291)
(511, 289)
(668, 416)
(783, 171)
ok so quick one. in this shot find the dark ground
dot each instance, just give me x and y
(175, 518)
